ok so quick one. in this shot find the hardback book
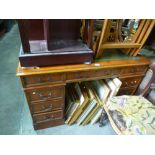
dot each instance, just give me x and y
(101, 89)
(118, 84)
(73, 108)
(151, 96)
(96, 92)
(79, 93)
(70, 99)
(74, 101)
(112, 87)
(90, 115)
(82, 106)
(87, 111)
(69, 104)
(92, 96)
(96, 117)
(145, 81)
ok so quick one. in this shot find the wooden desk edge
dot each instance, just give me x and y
(81, 67)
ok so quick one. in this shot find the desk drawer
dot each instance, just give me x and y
(127, 91)
(33, 80)
(45, 93)
(47, 106)
(109, 72)
(46, 117)
(71, 76)
(48, 124)
(134, 70)
(92, 74)
(131, 81)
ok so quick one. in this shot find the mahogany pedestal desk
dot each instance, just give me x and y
(44, 87)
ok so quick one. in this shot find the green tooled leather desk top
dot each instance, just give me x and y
(115, 55)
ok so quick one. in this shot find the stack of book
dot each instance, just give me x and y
(84, 101)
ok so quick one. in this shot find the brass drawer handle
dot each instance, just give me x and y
(126, 83)
(47, 108)
(48, 119)
(107, 72)
(132, 82)
(83, 76)
(44, 109)
(41, 80)
(44, 120)
(45, 97)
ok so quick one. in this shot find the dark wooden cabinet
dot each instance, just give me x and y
(55, 42)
